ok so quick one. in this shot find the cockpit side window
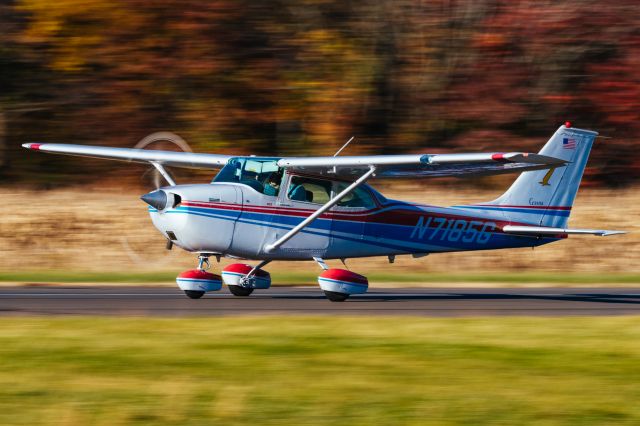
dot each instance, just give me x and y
(309, 190)
(229, 173)
(359, 197)
(263, 175)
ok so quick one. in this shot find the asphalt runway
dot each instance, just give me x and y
(437, 302)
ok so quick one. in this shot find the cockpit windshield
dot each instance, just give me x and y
(261, 174)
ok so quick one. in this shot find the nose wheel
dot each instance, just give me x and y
(196, 282)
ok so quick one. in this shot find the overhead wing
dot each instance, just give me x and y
(429, 165)
(166, 158)
(544, 230)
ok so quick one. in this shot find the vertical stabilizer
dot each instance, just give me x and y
(545, 197)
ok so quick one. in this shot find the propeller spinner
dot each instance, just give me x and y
(161, 200)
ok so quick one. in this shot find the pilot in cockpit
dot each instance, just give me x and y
(272, 184)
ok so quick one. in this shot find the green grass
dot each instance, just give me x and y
(497, 278)
(88, 277)
(319, 371)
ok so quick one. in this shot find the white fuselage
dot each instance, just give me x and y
(235, 220)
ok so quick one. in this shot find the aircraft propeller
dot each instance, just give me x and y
(161, 140)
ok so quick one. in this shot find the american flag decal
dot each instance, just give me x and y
(568, 143)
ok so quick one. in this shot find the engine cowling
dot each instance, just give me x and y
(232, 274)
(343, 281)
(197, 280)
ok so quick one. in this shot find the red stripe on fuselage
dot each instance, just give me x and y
(289, 211)
(410, 217)
(392, 216)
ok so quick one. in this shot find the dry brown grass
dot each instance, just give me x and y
(94, 229)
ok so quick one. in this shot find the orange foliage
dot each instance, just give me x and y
(295, 77)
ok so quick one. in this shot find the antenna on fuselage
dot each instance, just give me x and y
(344, 146)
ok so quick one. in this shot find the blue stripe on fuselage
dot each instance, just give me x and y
(391, 236)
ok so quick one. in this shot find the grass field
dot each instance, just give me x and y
(107, 231)
(319, 371)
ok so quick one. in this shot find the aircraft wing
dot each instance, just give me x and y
(427, 165)
(350, 167)
(166, 158)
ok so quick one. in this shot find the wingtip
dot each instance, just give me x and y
(608, 233)
(32, 146)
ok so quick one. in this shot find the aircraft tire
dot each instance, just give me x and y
(193, 294)
(240, 291)
(335, 296)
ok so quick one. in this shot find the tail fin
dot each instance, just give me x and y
(545, 197)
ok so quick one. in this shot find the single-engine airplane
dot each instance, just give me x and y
(304, 208)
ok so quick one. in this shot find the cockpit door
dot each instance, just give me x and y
(350, 215)
(299, 198)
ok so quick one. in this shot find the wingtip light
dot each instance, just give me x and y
(32, 146)
(567, 124)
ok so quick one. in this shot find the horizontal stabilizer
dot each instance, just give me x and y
(544, 230)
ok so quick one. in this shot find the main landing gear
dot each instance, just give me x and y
(339, 284)
(241, 279)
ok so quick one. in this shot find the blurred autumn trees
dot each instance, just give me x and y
(284, 77)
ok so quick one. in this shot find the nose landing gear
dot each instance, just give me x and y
(196, 282)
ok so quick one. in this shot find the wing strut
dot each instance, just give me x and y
(332, 202)
(165, 174)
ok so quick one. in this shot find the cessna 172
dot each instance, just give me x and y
(270, 208)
